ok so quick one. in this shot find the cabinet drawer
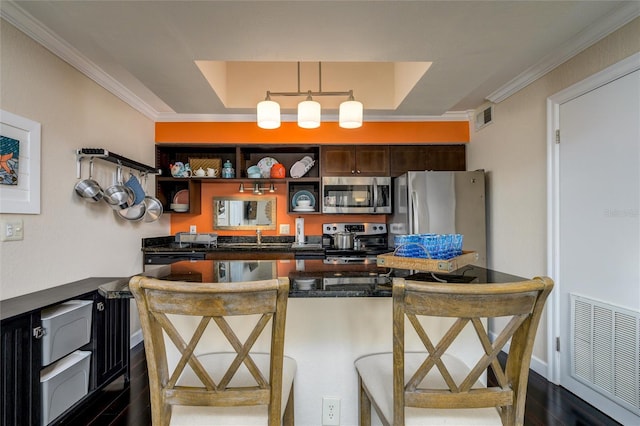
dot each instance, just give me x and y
(67, 327)
(64, 383)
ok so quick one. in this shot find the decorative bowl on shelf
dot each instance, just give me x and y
(180, 208)
(254, 172)
(253, 169)
(278, 171)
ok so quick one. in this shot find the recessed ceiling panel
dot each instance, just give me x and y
(378, 85)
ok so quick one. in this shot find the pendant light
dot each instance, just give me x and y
(268, 113)
(309, 113)
(350, 115)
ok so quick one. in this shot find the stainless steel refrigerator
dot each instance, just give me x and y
(441, 203)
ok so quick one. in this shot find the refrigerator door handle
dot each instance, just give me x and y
(375, 194)
(414, 216)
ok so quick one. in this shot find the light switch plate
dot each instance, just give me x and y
(11, 230)
(284, 229)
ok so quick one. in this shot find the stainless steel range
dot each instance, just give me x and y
(348, 242)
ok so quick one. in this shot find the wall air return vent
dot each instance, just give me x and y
(605, 350)
(483, 117)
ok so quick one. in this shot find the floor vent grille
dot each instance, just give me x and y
(605, 350)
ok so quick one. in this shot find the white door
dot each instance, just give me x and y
(598, 242)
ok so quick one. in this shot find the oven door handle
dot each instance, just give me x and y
(375, 194)
(347, 260)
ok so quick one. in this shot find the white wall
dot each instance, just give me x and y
(70, 239)
(513, 151)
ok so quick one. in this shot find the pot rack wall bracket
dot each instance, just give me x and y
(103, 154)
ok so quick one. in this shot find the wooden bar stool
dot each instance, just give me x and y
(237, 387)
(437, 387)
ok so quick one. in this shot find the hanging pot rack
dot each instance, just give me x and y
(103, 154)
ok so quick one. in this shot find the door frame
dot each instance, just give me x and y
(613, 72)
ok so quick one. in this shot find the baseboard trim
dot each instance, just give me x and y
(537, 365)
(135, 339)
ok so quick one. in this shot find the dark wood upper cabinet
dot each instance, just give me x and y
(355, 160)
(446, 157)
(403, 158)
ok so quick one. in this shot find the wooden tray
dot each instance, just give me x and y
(205, 163)
(388, 260)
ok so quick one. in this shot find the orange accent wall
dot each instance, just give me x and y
(204, 221)
(329, 132)
(237, 133)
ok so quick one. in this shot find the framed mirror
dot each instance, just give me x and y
(244, 212)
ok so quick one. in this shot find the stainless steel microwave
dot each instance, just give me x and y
(356, 195)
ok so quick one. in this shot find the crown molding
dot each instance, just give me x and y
(586, 38)
(185, 118)
(19, 18)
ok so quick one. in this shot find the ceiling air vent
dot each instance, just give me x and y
(484, 117)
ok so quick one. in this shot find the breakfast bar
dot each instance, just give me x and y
(336, 313)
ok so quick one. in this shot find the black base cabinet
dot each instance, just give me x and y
(20, 372)
(21, 353)
(111, 322)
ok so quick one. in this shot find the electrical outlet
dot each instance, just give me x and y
(192, 229)
(330, 411)
(284, 229)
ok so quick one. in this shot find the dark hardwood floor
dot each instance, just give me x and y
(547, 404)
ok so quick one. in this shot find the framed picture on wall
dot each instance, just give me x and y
(19, 164)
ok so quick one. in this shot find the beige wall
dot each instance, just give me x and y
(70, 239)
(513, 151)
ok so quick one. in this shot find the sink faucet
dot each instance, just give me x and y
(258, 236)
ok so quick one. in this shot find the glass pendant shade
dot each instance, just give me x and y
(309, 114)
(350, 116)
(268, 114)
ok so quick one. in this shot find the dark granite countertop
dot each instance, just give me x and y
(233, 243)
(44, 298)
(309, 278)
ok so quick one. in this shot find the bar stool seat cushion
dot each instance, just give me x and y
(216, 365)
(376, 373)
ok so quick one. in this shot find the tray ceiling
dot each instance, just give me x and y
(176, 59)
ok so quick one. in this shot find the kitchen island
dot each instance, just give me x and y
(336, 313)
(331, 321)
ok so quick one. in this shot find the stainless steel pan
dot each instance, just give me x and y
(153, 206)
(89, 189)
(134, 213)
(119, 196)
